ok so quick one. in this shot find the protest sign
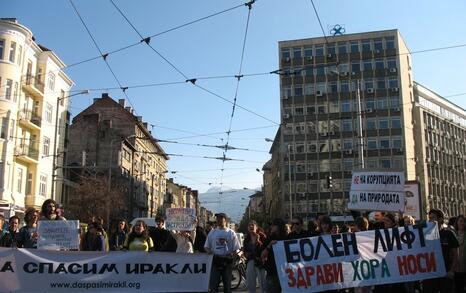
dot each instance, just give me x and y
(24, 270)
(377, 191)
(182, 219)
(412, 200)
(58, 235)
(338, 261)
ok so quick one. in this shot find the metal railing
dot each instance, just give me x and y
(31, 116)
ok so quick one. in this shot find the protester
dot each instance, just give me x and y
(94, 240)
(312, 228)
(117, 239)
(139, 239)
(277, 232)
(48, 211)
(450, 256)
(2, 224)
(460, 274)
(223, 243)
(388, 221)
(184, 240)
(27, 235)
(408, 220)
(200, 239)
(9, 239)
(297, 229)
(362, 224)
(326, 225)
(253, 246)
(161, 237)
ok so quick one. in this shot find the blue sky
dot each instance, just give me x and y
(213, 48)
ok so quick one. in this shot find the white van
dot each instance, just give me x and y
(150, 222)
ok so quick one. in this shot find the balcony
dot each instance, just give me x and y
(30, 119)
(26, 153)
(34, 85)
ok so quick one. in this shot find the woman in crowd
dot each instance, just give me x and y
(48, 211)
(389, 221)
(184, 240)
(252, 248)
(117, 239)
(94, 240)
(325, 225)
(460, 274)
(139, 239)
(27, 236)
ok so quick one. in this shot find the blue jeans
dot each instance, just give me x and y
(221, 273)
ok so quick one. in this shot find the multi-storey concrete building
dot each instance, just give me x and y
(108, 137)
(440, 133)
(34, 110)
(319, 82)
(180, 196)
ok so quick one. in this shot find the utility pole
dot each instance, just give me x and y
(360, 136)
(289, 182)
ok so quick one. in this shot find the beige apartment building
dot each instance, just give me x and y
(319, 140)
(108, 137)
(34, 111)
(181, 196)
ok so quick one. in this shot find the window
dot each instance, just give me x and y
(371, 124)
(393, 83)
(308, 89)
(347, 125)
(371, 163)
(379, 64)
(331, 50)
(19, 183)
(344, 86)
(366, 45)
(390, 43)
(332, 87)
(396, 123)
(367, 65)
(308, 51)
(320, 70)
(355, 67)
(391, 63)
(354, 47)
(384, 143)
(4, 128)
(378, 45)
(2, 48)
(385, 163)
(51, 81)
(310, 110)
(15, 92)
(383, 123)
(345, 106)
(333, 107)
(309, 71)
(348, 165)
(381, 83)
(396, 143)
(286, 92)
(382, 103)
(12, 52)
(321, 87)
(286, 54)
(368, 84)
(372, 144)
(370, 104)
(319, 51)
(342, 48)
(322, 109)
(43, 185)
(298, 91)
(299, 111)
(29, 184)
(394, 102)
(48, 112)
(46, 147)
(62, 97)
(300, 167)
(300, 148)
(9, 86)
(397, 164)
(20, 53)
(312, 147)
(297, 53)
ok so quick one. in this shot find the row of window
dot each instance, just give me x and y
(340, 48)
(344, 106)
(347, 145)
(29, 183)
(10, 89)
(12, 55)
(344, 69)
(342, 86)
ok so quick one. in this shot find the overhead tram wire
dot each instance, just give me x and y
(238, 76)
(223, 132)
(104, 56)
(320, 23)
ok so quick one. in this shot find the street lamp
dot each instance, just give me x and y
(54, 162)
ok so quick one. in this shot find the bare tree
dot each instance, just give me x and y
(93, 198)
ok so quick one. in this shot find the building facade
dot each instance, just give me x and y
(319, 81)
(440, 152)
(108, 138)
(34, 110)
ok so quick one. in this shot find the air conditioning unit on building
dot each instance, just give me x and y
(400, 149)
(286, 116)
(395, 89)
(369, 110)
(309, 58)
(370, 90)
(287, 59)
(377, 51)
(323, 134)
(319, 93)
(397, 109)
(344, 73)
(329, 56)
(353, 73)
(286, 97)
(392, 70)
(332, 132)
(349, 152)
(428, 160)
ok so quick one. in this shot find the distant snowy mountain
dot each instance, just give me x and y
(231, 201)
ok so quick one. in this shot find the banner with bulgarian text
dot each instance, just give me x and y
(29, 270)
(367, 258)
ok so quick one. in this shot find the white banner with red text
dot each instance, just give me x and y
(360, 259)
(29, 270)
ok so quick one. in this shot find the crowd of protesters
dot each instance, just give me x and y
(256, 249)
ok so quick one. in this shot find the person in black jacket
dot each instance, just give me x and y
(117, 239)
(200, 239)
(162, 238)
(9, 239)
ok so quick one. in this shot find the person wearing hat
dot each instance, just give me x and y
(223, 243)
(450, 255)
